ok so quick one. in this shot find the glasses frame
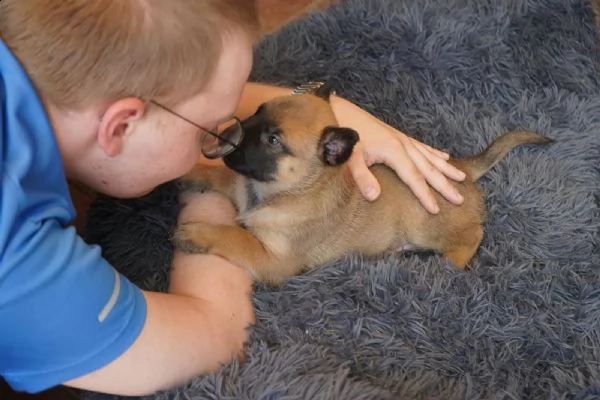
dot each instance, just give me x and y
(234, 146)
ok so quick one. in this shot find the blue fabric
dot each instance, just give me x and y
(54, 287)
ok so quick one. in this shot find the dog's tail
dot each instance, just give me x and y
(478, 165)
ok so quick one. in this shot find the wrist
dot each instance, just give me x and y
(349, 114)
(339, 105)
(205, 275)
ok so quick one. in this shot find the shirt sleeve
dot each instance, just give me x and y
(64, 311)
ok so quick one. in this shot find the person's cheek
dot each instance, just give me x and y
(189, 156)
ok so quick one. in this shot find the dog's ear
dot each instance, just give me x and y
(324, 91)
(336, 144)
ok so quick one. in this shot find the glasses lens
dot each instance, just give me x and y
(230, 134)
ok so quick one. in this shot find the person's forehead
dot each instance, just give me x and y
(234, 65)
(231, 73)
(220, 97)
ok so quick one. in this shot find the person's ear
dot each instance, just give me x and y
(118, 120)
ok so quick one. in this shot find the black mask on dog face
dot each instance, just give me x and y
(257, 154)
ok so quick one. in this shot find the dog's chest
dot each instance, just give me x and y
(246, 196)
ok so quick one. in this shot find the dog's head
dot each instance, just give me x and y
(290, 140)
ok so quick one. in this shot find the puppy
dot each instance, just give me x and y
(299, 206)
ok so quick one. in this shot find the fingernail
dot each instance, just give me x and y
(435, 209)
(458, 197)
(371, 193)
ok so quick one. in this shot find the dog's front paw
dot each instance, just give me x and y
(191, 238)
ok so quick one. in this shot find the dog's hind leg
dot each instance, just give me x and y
(461, 251)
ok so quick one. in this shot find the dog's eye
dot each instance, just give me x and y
(273, 140)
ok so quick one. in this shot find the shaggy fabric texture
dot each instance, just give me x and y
(524, 322)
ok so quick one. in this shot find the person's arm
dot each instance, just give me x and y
(415, 163)
(201, 324)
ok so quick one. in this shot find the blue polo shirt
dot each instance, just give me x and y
(64, 311)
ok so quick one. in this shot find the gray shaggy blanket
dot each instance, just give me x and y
(524, 323)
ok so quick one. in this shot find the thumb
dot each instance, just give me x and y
(364, 178)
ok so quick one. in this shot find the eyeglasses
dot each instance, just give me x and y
(215, 144)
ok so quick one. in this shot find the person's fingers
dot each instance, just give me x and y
(398, 159)
(364, 178)
(440, 163)
(432, 150)
(432, 174)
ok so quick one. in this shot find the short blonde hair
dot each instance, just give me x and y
(83, 52)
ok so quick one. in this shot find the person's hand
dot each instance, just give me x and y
(225, 285)
(415, 163)
(210, 207)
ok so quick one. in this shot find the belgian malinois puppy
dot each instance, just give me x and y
(299, 206)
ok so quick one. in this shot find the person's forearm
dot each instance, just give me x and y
(222, 290)
(200, 325)
(257, 93)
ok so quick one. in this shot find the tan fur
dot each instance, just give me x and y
(596, 8)
(323, 216)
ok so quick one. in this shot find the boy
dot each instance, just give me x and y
(94, 91)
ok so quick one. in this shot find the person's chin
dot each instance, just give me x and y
(143, 193)
(131, 194)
